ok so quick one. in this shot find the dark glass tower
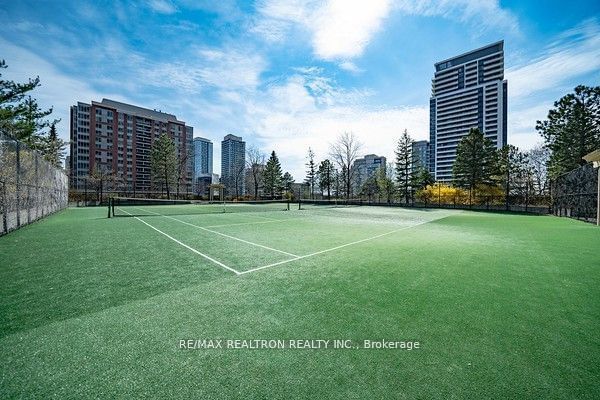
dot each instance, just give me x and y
(467, 91)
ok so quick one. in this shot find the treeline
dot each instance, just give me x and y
(22, 118)
(480, 170)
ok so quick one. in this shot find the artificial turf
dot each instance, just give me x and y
(505, 306)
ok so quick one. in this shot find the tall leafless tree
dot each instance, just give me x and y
(537, 159)
(100, 177)
(239, 180)
(255, 162)
(344, 151)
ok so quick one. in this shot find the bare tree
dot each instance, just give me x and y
(538, 158)
(239, 180)
(311, 172)
(344, 151)
(100, 177)
(255, 161)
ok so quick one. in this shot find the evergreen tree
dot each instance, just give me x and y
(385, 182)
(337, 182)
(511, 167)
(403, 166)
(326, 176)
(54, 148)
(311, 173)
(369, 188)
(421, 178)
(20, 115)
(572, 129)
(286, 182)
(163, 163)
(272, 176)
(475, 162)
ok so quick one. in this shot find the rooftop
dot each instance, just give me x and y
(138, 111)
(470, 55)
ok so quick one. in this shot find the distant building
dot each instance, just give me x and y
(420, 155)
(202, 183)
(364, 168)
(203, 165)
(467, 91)
(233, 165)
(116, 139)
(203, 157)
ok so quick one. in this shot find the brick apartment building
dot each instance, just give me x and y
(116, 139)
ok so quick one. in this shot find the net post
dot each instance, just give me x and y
(109, 203)
(299, 203)
(288, 205)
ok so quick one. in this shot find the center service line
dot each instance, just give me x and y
(183, 244)
(337, 247)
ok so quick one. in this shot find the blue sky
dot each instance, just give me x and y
(289, 74)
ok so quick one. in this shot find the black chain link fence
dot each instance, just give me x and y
(575, 194)
(516, 203)
(30, 187)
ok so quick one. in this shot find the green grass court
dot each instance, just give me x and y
(504, 305)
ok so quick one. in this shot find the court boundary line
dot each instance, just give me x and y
(247, 223)
(219, 263)
(337, 247)
(295, 257)
(223, 234)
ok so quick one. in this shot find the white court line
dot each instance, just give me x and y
(336, 247)
(184, 245)
(247, 223)
(222, 234)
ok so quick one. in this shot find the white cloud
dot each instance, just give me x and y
(162, 6)
(291, 117)
(484, 13)
(577, 52)
(227, 69)
(340, 29)
(27, 26)
(350, 67)
(343, 28)
(533, 87)
(57, 90)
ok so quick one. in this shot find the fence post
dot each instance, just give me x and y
(4, 208)
(28, 204)
(18, 184)
(37, 190)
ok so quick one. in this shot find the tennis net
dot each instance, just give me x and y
(133, 207)
(309, 204)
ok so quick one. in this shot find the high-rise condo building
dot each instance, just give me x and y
(115, 139)
(203, 157)
(203, 165)
(233, 165)
(467, 91)
(420, 155)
